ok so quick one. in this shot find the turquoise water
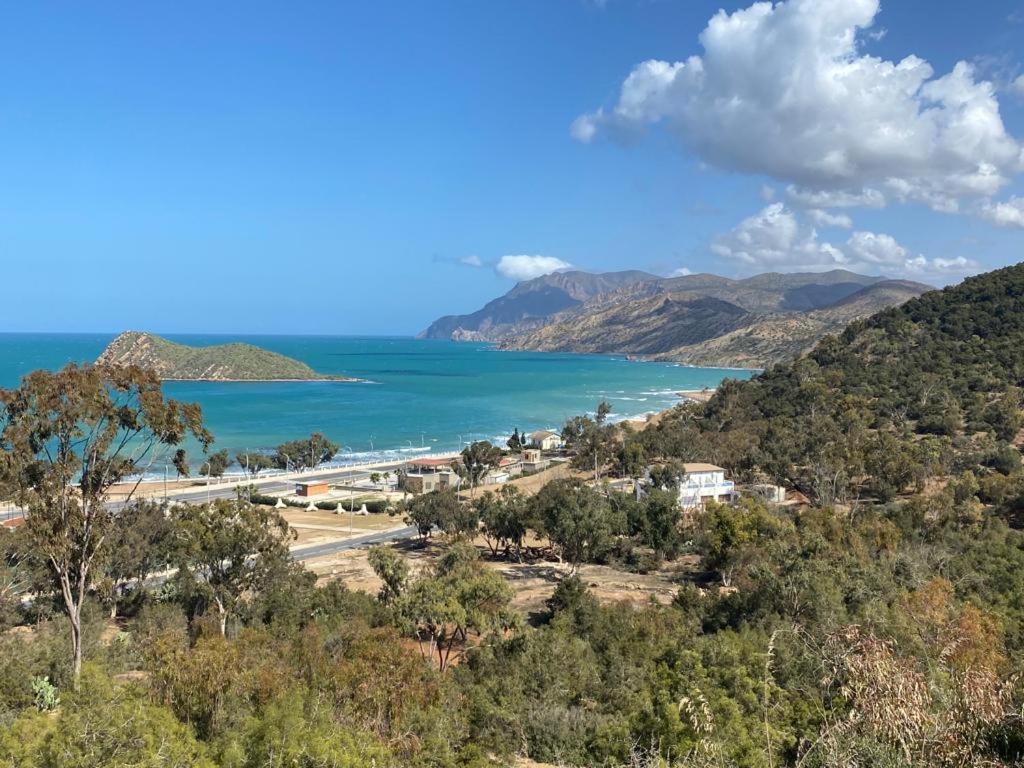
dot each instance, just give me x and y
(424, 396)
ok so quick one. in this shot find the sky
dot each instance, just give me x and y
(362, 168)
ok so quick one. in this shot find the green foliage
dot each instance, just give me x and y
(305, 453)
(217, 463)
(577, 520)
(442, 510)
(45, 693)
(226, 550)
(392, 569)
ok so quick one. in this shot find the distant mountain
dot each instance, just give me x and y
(530, 304)
(711, 320)
(221, 362)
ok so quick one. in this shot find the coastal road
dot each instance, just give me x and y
(357, 542)
(227, 490)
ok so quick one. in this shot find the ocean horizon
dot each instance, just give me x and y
(419, 395)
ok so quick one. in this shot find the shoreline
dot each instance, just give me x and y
(344, 380)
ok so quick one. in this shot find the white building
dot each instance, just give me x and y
(545, 440)
(704, 483)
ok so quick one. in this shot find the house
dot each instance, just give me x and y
(426, 475)
(703, 483)
(507, 468)
(545, 440)
(534, 461)
(312, 488)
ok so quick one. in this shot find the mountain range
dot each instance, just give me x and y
(694, 319)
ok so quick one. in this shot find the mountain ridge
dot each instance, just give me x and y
(703, 319)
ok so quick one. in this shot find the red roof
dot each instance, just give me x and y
(432, 463)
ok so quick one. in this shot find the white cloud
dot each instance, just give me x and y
(1017, 86)
(681, 272)
(528, 267)
(881, 253)
(871, 248)
(471, 261)
(1007, 214)
(775, 239)
(784, 90)
(826, 219)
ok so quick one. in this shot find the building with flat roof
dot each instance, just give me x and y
(312, 488)
(426, 475)
(703, 483)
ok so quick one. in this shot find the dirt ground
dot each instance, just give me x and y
(532, 582)
(320, 527)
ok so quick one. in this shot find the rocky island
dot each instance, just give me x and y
(220, 362)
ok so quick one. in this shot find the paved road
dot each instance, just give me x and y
(227, 490)
(359, 542)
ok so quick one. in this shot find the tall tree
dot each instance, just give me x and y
(477, 459)
(577, 520)
(217, 463)
(254, 463)
(140, 544)
(65, 439)
(308, 452)
(226, 550)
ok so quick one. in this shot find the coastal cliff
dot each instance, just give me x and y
(220, 362)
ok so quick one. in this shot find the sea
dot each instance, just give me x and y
(419, 396)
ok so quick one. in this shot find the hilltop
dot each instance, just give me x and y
(530, 304)
(712, 320)
(220, 362)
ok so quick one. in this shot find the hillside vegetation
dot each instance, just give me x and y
(873, 620)
(220, 362)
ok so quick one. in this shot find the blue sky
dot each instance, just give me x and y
(350, 168)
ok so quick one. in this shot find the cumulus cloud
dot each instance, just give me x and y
(1005, 214)
(1017, 86)
(777, 238)
(784, 90)
(471, 261)
(826, 219)
(876, 249)
(681, 272)
(524, 267)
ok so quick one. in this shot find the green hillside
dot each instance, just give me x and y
(915, 391)
(221, 362)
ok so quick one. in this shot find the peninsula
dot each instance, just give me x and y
(220, 362)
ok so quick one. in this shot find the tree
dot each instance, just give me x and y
(457, 596)
(140, 544)
(442, 510)
(504, 520)
(577, 520)
(254, 463)
(591, 443)
(310, 452)
(478, 458)
(602, 412)
(632, 459)
(66, 438)
(655, 521)
(515, 443)
(217, 463)
(227, 549)
(392, 569)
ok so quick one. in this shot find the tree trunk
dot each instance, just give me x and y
(223, 618)
(75, 617)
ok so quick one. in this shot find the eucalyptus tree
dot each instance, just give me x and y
(66, 438)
